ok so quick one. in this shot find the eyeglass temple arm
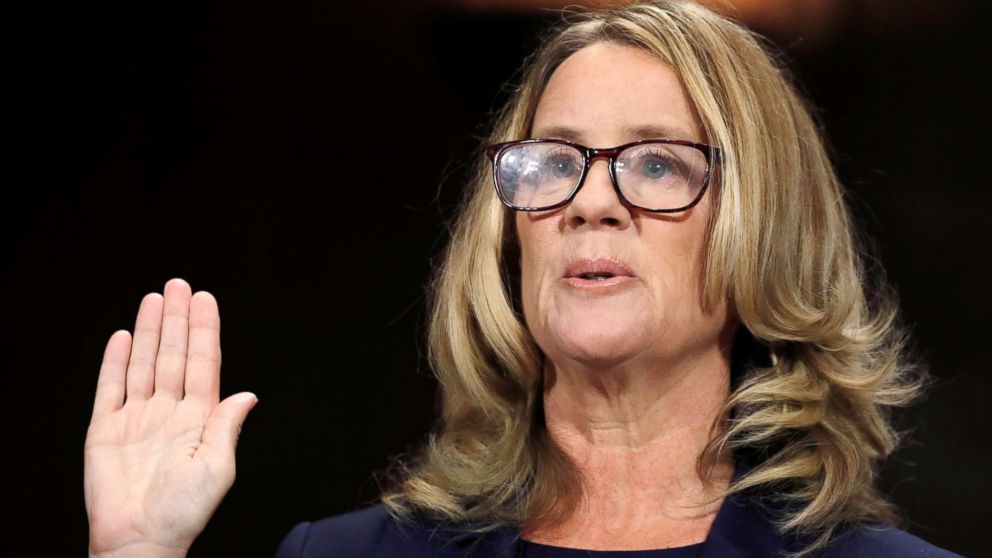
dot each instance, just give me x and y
(717, 155)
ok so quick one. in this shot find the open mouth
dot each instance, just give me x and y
(598, 273)
(601, 268)
(597, 276)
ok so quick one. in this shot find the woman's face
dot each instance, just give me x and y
(603, 96)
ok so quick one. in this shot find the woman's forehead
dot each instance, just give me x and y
(614, 92)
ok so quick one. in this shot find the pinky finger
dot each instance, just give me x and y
(113, 373)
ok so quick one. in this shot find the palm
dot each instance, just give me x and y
(158, 465)
(147, 478)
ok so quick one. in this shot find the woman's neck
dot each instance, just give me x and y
(636, 436)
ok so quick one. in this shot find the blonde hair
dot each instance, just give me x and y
(832, 360)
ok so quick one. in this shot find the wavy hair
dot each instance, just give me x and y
(827, 357)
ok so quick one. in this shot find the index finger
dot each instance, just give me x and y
(113, 371)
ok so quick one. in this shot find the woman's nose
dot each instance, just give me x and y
(597, 204)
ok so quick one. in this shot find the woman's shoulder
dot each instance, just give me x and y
(335, 535)
(746, 527)
(878, 540)
(372, 532)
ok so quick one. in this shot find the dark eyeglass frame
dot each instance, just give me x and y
(712, 154)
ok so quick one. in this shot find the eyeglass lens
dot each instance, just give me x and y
(650, 175)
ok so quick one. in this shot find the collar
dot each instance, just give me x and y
(742, 529)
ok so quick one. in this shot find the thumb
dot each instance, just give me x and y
(223, 426)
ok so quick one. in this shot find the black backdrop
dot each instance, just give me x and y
(299, 160)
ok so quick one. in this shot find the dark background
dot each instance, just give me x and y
(299, 160)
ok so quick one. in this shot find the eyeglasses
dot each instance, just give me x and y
(657, 175)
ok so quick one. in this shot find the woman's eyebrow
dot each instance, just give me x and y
(632, 133)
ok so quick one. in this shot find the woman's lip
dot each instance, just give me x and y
(599, 266)
(597, 284)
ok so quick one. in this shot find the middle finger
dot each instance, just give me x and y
(170, 366)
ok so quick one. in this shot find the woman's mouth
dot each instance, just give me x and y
(597, 282)
(600, 273)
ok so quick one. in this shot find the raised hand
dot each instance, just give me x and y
(159, 453)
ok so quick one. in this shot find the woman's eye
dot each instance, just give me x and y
(655, 168)
(562, 167)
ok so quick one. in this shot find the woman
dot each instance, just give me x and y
(655, 333)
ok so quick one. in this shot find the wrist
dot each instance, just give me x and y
(141, 550)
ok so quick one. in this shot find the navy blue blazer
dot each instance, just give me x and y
(741, 529)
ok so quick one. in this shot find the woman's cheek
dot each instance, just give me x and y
(529, 292)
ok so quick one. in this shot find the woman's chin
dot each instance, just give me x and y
(595, 345)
